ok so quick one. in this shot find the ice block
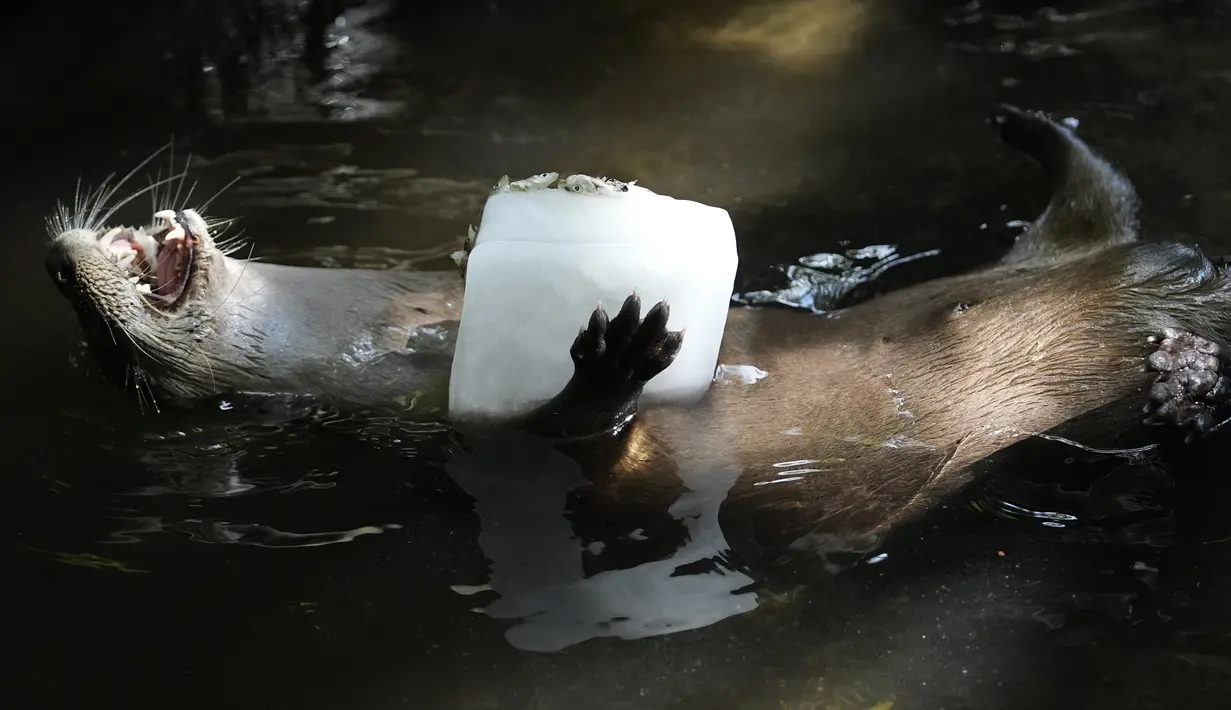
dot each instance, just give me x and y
(545, 255)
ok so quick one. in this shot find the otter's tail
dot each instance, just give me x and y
(1092, 204)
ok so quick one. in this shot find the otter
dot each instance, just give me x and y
(874, 414)
(169, 312)
(946, 372)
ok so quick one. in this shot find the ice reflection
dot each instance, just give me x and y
(521, 491)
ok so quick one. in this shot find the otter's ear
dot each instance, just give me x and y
(1092, 204)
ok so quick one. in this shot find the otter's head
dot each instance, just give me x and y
(141, 295)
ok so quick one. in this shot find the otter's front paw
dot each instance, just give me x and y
(625, 352)
(1192, 384)
(612, 361)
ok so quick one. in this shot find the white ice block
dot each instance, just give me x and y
(542, 259)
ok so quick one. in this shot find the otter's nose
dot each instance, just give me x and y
(60, 267)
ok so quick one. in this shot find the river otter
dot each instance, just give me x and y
(167, 311)
(873, 414)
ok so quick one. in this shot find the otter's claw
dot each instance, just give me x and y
(627, 351)
(1192, 385)
(613, 358)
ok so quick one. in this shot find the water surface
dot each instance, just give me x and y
(278, 554)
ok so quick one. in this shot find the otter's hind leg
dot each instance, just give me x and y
(1092, 204)
(1193, 385)
(612, 361)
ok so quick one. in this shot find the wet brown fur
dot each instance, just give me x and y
(1052, 340)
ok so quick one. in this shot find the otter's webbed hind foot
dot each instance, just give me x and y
(1192, 386)
(613, 359)
(1092, 203)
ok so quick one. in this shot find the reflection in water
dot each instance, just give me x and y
(277, 157)
(1134, 454)
(793, 34)
(1051, 33)
(321, 187)
(521, 492)
(348, 257)
(241, 448)
(943, 623)
(820, 281)
(89, 561)
(291, 65)
(366, 189)
(326, 176)
(1128, 505)
(217, 532)
(209, 458)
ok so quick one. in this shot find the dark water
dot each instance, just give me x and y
(282, 556)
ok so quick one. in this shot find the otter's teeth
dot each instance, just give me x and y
(134, 280)
(143, 288)
(149, 248)
(127, 260)
(168, 216)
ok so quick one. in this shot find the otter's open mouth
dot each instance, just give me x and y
(158, 262)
